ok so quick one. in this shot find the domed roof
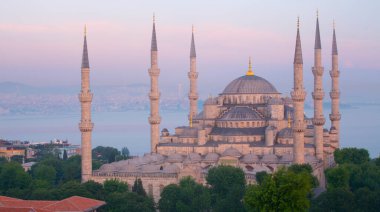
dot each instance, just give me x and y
(250, 158)
(250, 85)
(107, 168)
(238, 113)
(286, 133)
(211, 157)
(171, 168)
(193, 158)
(175, 158)
(270, 158)
(231, 152)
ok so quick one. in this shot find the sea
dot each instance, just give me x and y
(360, 126)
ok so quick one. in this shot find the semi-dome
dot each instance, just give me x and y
(175, 158)
(250, 158)
(211, 157)
(286, 133)
(231, 152)
(250, 85)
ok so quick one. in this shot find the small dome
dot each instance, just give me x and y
(129, 168)
(164, 130)
(193, 158)
(250, 158)
(286, 133)
(250, 85)
(175, 158)
(150, 168)
(171, 168)
(270, 158)
(211, 157)
(211, 101)
(231, 152)
(286, 158)
(108, 168)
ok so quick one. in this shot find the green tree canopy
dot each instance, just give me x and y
(351, 155)
(187, 196)
(138, 187)
(128, 201)
(337, 199)
(227, 187)
(13, 176)
(114, 185)
(45, 173)
(106, 154)
(284, 190)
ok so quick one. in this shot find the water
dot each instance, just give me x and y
(359, 127)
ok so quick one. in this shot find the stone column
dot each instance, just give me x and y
(86, 126)
(298, 96)
(318, 94)
(193, 75)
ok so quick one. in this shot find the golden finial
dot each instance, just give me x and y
(191, 121)
(289, 122)
(85, 30)
(249, 72)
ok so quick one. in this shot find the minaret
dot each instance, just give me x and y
(318, 94)
(85, 125)
(298, 96)
(335, 93)
(154, 95)
(193, 75)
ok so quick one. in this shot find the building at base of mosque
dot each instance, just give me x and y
(248, 125)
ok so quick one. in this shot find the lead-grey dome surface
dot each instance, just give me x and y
(250, 85)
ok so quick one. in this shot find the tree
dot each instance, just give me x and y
(260, 176)
(227, 187)
(128, 201)
(44, 172)
(138, 187)
(72, 168)
(351, 155)
(125, 152)
(96, 189)
(17, 158)
(72, 188)
(284, 190)
(106, 154)
(337, 177)
(64, 154)
(339, 199)
(114, 185)
(13, 176)
(187, 196)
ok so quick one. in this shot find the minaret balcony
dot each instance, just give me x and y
(154, 96)
(192, 75)
(319, 121)
(86, 126)
(154, 120)
(334, 94)
(298, 95)
(154, 72)
(318, 95)
(318, 71)
(85, 97)
(193, 96)
(334, 73)
(298, 127)
(335, 117)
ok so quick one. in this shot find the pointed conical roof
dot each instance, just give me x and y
(298, 51)
(192, 48)
(334, 46)
(317, 37)
(85, 62)
(154, 40)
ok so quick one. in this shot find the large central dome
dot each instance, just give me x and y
(250, 85)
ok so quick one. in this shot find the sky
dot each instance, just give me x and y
(41, 42)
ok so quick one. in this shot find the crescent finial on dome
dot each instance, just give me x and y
(249, 72)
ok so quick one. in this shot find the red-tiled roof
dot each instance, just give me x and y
(72, 204)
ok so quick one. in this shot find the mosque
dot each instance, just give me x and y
(248, 125)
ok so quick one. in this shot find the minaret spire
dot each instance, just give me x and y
(249, 72)
(318, 94)
(193, 76)
(154, 95)
(335, 115)
(85, 125)
(298, 96)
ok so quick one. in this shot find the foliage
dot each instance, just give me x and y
(339, 199)
(64, 154)
(13, 176)
(125, 152)
(260, 176)
(128, 201)
(114, 185)
(187, 196)
(285, 190)
(138, 187)
(227, 187)
(105, 154)
(44, 172)
(17, 158)
(351, 155)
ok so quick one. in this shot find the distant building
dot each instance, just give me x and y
(9, 151)
(72, 204)
(28, 166)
